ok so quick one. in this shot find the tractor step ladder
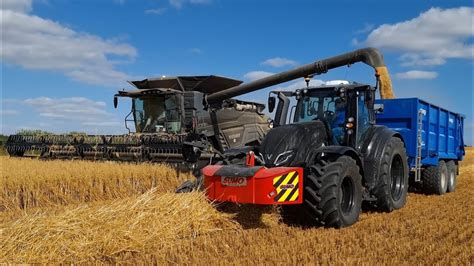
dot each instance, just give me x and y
(419, 144)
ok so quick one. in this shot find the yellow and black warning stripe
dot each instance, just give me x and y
(286, 187)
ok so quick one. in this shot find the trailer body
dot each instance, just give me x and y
(425, 127)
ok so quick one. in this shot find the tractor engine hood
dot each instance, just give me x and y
(289, 145)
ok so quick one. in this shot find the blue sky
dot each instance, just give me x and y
(62, 61)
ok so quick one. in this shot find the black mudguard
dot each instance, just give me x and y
(325, 151)
(371, 148)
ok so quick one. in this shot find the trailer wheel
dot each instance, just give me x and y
(452, 170)
(435, 179)
(333, 193)
(392, 188)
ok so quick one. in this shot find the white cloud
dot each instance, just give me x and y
(23, 6)
(77, 110)
(366, 29)
(195, 51)
(5, 112)
(355, 42)
(291, 85)
(37, 43)
(420, 60)
(429, 39)
(178, 4)
(61, 115)
(299, 84)
(417, 74)
(254, 75)
(155, 11)
(104, 124)
(200, 2)
(279, 62)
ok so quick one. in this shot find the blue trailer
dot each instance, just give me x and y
(431, 134)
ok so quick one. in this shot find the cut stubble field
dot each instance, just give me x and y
(75, 211)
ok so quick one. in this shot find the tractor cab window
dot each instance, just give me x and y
(324, 106)
(363, 114)
(156, 113)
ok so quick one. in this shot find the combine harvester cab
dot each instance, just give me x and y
(338, 146)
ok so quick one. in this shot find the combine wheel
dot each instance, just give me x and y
(190, 186)
(333, 192)
(392, 188)
(435, 179)
(452, 170)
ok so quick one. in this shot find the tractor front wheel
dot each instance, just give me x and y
(392, 187)
(333, 192)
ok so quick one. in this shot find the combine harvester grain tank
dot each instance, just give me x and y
(340, 146)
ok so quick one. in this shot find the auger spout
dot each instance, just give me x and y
(370, 56)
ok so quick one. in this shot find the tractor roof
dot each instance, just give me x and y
(205, 84)
(352, 86)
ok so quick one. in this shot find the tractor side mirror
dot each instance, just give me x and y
(115, 102)
(271, 103)
(378, 108)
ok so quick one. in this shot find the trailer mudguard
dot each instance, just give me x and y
(267, 186)
(371, 148)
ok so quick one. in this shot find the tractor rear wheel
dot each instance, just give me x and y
(333, 192)
(392, 188)
(452, 173)
(435, 179)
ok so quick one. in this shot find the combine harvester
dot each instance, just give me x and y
(340, 146)
(167, 113)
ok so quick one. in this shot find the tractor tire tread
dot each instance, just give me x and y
(322, 185)
(382, 190)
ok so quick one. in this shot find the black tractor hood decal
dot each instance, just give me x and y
(289, 145)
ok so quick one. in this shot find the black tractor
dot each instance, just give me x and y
(324, 155)
(331, 133)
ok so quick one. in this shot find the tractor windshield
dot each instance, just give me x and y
(320, 106)
(326, 106)
(157, 114)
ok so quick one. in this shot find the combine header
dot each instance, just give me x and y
(166, 114)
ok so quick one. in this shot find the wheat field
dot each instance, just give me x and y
(99, 212)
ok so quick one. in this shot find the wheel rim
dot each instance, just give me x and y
(451, 179)
(396, 176)
(347, 195)
(443, 180)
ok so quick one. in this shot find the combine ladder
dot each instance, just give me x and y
(419, 144)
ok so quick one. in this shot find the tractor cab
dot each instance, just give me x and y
(345, 109)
